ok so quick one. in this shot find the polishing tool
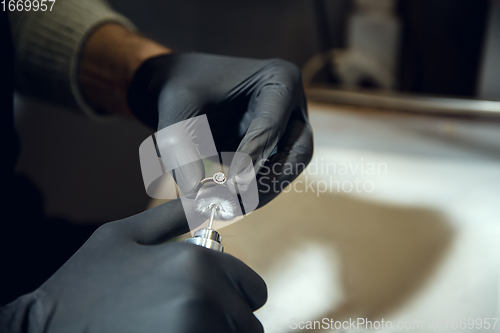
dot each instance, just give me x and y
(208, 237)
(216, 202)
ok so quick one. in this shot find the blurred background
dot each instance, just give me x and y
(363, 52)
(412, 84)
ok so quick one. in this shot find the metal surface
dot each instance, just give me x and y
(209, 234)
(213, 208)
(207, 242)
(208, 237)
(406, 102)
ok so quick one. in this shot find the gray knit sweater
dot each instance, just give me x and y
(48, 47)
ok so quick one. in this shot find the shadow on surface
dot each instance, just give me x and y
(387, 253)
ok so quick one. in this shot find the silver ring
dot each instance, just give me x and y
(218, 178)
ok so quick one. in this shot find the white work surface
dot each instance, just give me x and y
(424, 245)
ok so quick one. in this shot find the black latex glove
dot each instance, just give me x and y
(124, 279)
(256, 107)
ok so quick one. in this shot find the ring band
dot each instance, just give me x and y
(218, 178)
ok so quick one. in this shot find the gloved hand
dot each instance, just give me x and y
(256, 107)
(125, 279)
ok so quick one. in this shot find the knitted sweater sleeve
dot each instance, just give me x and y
(48, 46)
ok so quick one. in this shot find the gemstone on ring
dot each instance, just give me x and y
(219, 178)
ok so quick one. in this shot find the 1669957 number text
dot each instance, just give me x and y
(27, 5)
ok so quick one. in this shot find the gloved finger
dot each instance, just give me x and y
(266, 128)
(294, 152)
(242, 319)
(271, 106)
(246, 282)
(188, 177)
(202, 315)
(180, 154)
(156, 225)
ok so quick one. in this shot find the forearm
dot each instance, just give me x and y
(81, 54)
(110, 57)
(48, 46)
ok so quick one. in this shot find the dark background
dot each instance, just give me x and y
(441, 44)
(263, 29)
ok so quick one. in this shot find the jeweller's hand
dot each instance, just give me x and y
(256, 107)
